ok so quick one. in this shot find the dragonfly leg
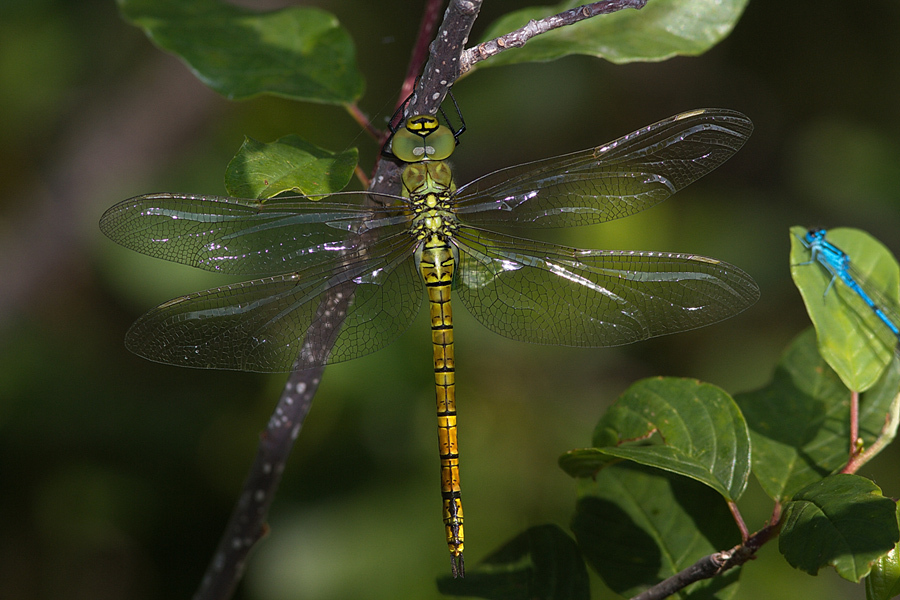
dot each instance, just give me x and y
(830, 285)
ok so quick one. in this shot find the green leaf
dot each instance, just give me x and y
(661, 30)
(883, 582)
(701, 434)
(297, 52)
(800, 422)
(585, 462)
(637, 526)
(261, 170)
(843, 521)
(542, 562)
(886, 392)
(851, 337)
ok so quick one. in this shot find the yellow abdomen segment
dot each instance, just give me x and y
(437, 270)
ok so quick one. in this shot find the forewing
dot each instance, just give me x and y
(243, 236)
(267, 324)
(608, 182)
(548, 294)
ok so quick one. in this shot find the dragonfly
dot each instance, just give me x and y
(385, 250)
(839, 265)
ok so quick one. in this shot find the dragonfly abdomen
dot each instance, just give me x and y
(437, 265)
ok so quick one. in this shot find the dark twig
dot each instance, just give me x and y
(518, 38)
(247, 524)
(443, 66)
(706, 567)
(711, 565)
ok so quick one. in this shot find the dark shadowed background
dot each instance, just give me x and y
(119, 474)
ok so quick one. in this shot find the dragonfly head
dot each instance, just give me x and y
(813, 235)
(422, 138)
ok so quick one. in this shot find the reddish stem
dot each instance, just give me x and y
(855, 446)
(420, 52)
(858, 459)
(736, 513)
(363, 120)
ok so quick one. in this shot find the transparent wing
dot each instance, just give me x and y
(243, 236)
(267, 324)
(548, 294)
(608, 182)
(882, 314)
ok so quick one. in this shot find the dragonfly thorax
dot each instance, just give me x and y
(426, 177)
(429, 187)
(433, 217)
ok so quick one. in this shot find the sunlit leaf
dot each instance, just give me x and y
(660, 30)
(638, 526)
(842, 521)
(800, 422)
(883, 582)
(851, 337)
(297, 52)
(542, 562)
(261, 170)
(680, 425)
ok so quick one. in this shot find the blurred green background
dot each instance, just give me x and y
(119, 474)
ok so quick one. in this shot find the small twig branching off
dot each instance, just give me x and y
(739, 519)
(518, 38)
(354, 111)
(860, 456)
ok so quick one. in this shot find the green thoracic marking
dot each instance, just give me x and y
(381, 250)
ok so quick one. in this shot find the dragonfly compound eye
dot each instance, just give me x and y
(423, 138)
